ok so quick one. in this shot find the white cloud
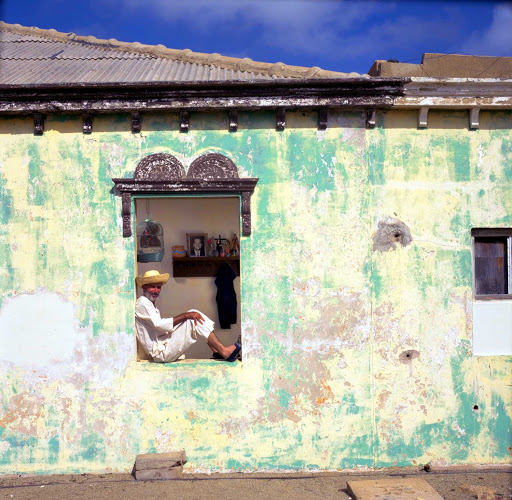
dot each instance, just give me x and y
(301, 14)
(497, 40)
(335, 32)
(338, 30)
(386, 39)
(308, 26)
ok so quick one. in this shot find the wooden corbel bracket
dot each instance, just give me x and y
(322, 119)
(474, 118)
(280, 118)
(184, 121)
(423, 117)
(136, 123)
(87, 123)
(233, 120)
(371, 118)
(38, 123)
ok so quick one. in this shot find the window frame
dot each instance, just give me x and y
(162, 175)
(482, 233)
(141, 357)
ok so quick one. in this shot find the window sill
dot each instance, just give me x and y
(493, 297)
(145, 364)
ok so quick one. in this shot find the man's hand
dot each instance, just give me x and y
(192, 315)
(196, 317)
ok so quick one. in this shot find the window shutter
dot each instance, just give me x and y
(491, 266)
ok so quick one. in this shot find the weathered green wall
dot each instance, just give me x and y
(324, 316)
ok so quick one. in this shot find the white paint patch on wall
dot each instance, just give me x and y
(492, 328)
(38, 329)
(4, 447)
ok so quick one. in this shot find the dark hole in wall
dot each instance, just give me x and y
(391, 231)
(406, 357)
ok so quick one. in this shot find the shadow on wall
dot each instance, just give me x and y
(170, 122)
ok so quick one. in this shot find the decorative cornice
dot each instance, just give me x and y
(377, 93)
(363, 94)
(456, 93)
(186, 185)
(162, 173)
(346, 92)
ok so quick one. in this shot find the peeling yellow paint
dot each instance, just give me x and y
(324, 317)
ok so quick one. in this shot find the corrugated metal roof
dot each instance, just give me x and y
(115, 70)
(36, 56)
(62, 50)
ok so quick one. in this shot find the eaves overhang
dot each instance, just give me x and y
(360, 93)
(355, 93)
(456, 93)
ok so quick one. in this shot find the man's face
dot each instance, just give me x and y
(152, 291)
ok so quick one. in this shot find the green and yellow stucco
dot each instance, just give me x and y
(324, 316)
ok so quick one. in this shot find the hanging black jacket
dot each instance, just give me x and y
(226, 296)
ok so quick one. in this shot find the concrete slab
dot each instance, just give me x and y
(392, 488)
(150, 474)
(147, 461)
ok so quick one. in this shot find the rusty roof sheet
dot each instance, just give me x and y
(37, 56)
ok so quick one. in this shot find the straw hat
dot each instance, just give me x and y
(152, 277)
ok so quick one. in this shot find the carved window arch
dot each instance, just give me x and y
(162, 173)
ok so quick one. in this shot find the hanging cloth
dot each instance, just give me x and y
(226, 296)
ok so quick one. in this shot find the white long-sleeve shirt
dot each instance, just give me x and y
(160, 338)
(152, 329)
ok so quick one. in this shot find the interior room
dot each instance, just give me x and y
(179, 216)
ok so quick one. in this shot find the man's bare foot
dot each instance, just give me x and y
(229, 351)
(217, 346)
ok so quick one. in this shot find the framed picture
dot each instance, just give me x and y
(196, 244)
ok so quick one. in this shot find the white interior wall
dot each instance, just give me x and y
(178, 217)
(492, 328)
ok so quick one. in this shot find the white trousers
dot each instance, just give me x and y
(183, 336)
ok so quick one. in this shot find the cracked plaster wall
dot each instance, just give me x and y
(326, 318)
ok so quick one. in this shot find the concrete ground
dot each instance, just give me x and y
(451, 484)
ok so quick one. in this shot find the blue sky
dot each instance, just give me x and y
(339, 35)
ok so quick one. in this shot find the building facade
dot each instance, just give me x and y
(371, 337)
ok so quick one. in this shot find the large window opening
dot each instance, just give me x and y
(194, 286)
(208, 198)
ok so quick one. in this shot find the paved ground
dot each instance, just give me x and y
(484, 484)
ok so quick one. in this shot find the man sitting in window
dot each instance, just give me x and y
(166, 339)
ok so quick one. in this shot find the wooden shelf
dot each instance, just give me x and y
(196, 267)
